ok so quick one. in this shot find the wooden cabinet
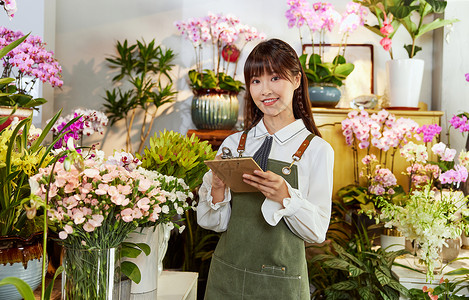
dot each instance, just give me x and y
(329, 124)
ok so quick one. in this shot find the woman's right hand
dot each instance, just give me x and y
(218, 187)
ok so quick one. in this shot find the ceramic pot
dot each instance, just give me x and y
(392, 240)
(214, 109)
(324, 94)
(21, 258)
(404, 78)
(20, 114)
(150, 266)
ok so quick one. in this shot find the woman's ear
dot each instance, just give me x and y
(297, 80)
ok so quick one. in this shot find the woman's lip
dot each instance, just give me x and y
(270, 101)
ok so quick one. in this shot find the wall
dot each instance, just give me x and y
(450, 93)
(37, 17)
(87, 31)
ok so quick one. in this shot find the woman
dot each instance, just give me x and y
(261, 253)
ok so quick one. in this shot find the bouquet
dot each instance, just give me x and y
(94, 203)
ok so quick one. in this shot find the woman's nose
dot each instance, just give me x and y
(266, 90)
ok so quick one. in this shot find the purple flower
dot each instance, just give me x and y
(429, 132)
(467, 76)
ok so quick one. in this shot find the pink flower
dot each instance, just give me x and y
(467, 76)
(88, 227)
(386, 43)
(126, 215)
(143, 204)
(387, 29)
(63, 235)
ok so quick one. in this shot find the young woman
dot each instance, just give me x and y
(261, 253)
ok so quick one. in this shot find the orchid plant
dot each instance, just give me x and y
(90, 121)
(221, 33)
(27, 63)
(411, 14)
(320, 19)
(376, 138)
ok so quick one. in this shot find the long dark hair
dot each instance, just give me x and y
(276, 56)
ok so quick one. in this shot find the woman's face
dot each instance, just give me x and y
(273, 95)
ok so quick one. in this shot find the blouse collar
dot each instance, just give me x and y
(283, 135)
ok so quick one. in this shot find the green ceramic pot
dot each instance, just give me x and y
(324, 94)
(214, 109)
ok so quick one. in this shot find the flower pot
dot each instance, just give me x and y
(324, 94)
(404, 78)
(214, 109)
(150, 266)
(91, 274)
(20, 114)
(392, 240)
(21, 258)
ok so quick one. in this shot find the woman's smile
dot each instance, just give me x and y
(269, 101)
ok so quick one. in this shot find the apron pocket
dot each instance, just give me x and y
(224, 280)
(262, 285)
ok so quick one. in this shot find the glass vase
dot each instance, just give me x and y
(91, 274)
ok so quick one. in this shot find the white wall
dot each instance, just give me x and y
(86, 33)
(451, 91)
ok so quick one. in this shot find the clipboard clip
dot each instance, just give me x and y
(226, 153)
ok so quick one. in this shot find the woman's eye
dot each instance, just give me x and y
(254, 81)
(275, 78)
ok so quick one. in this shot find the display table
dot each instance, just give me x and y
(411, 279)
(172, 285)
(177, 285)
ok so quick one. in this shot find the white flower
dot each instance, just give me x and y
(165, 209)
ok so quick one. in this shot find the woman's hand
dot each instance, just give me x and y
(218, 187)
(273, 186)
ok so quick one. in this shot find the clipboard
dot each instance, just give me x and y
(231, 171)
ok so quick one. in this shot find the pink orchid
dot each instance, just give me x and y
(386, 43)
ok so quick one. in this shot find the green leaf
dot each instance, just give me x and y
(355, 271)
(49, 288)
(337, 263)
(438, 6)
(434, 25)
(131, 270)
(345, 285)
(145, 248)
(458, 272)
(4, 51)
(401, 12)
(383, 279)
(365, 292)
(23, 288)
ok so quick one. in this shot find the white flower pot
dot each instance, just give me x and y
(404, 81)
(392, 243)
(150, 266)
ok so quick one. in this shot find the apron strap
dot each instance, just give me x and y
(296, 156)
(303, 147)
(242, 143)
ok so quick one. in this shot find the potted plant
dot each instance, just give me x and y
(146, 68)
(324, 77)
(25, 62)
(215, 104)
(405, 75)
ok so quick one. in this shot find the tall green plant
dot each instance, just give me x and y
(146, 68)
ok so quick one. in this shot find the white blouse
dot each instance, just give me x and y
(308, 210)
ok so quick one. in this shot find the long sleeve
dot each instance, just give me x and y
(307, 214)
(212, 216)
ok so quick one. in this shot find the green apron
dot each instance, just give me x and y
(254, 260)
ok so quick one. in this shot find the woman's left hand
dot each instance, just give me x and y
(273, 186)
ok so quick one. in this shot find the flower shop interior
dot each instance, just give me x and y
(131, 97)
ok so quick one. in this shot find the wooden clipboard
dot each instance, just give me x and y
(231, 171)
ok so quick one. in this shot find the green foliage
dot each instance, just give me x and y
(325, 72)
(208, 79)
(447, 289)
(358, 271)
(23, 288)
(133, 250)
(176, 155)
(9, 95)
(146, 68)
